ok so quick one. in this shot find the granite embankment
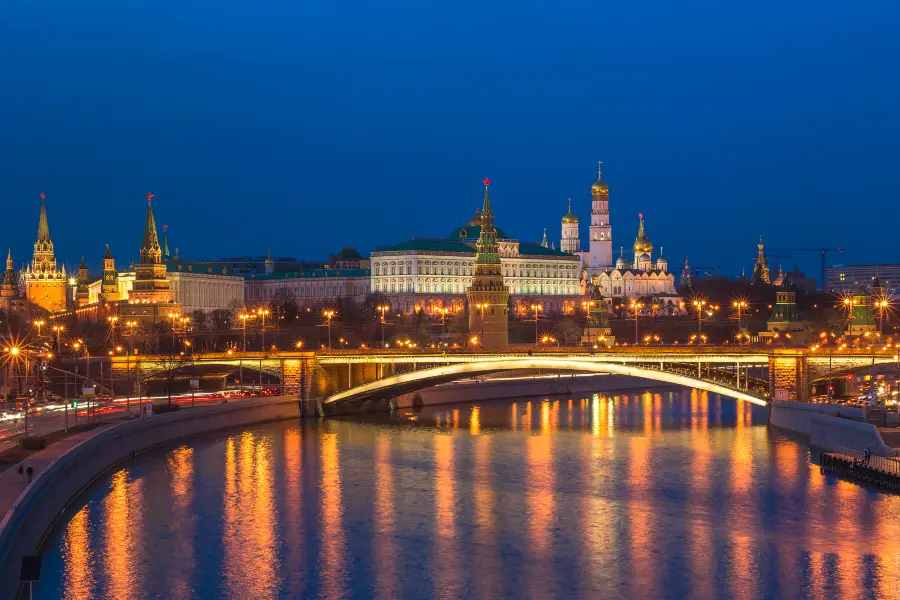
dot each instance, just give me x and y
(64, 469)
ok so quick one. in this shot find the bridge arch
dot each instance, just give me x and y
(425, 378)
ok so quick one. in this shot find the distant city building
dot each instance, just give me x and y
(45, 285)
(861, 319)
(797, 278)
(846, 279)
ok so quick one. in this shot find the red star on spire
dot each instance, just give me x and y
(486, 182)
(165, 227)
(149, 197)
(640, 215)
(43, 195)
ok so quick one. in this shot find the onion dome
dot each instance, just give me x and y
(621, 263)
(642, 243)
(599, 186)
(569, 217)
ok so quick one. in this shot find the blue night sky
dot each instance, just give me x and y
(308, 126)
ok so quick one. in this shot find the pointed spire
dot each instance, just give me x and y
(108, 254)
(486, 209)
(43, 225)
(544, 242)
(9, 278)
(150, 250)
(165, 249)
(83, 265)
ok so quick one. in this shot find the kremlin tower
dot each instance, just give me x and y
(151, 297)
(82, 296)
(9, 289)
(488, 296)
(761, 269)
(109, 292)
(45, 285)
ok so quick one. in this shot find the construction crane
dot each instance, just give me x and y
(822, 251)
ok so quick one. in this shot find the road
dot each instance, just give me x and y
(49, 418)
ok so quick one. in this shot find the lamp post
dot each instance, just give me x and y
(263, 313)
(882, 306)
(739, 306)
(58, 329)
(536, 308)
(698, 307)
(636, 307)
(329, 314)
(383, 308)
(243, 317)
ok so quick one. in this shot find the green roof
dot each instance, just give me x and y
(312, 274)
(428, 245)
(348, 254)
(187, 266)
(471, 232)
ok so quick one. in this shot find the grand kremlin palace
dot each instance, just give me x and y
(423, 274)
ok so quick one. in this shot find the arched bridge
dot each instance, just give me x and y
(433, 375)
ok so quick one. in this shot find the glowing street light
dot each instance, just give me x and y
(382, 308)
(740, 305)
(329, 314)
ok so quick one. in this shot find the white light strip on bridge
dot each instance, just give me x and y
(744, 359)
(469, 369)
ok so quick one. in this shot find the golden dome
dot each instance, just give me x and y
(569, 217)
(599, 186)
(642, 244)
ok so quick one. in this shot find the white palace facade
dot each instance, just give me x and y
(424, 274)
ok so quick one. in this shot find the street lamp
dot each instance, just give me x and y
(698, 305)
(739, 305)
(329, 314)
(882, 305)
(58, 329)
(243, 317)
(263, 313)
(636, 307)
(536, 308)
(39, 324)
(382, 308)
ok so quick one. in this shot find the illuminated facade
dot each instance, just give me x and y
(642, 278)
(310, 287)
(428, 273)
(487, 295)
(45, 285)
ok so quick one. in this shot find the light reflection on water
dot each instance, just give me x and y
(660, 495)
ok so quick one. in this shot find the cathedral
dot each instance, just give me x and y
(642, 276)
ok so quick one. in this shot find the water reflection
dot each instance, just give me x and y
(670, 493)
(78, 573)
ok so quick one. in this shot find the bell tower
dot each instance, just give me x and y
(600, 256)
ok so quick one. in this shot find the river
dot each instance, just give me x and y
(670, 494)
